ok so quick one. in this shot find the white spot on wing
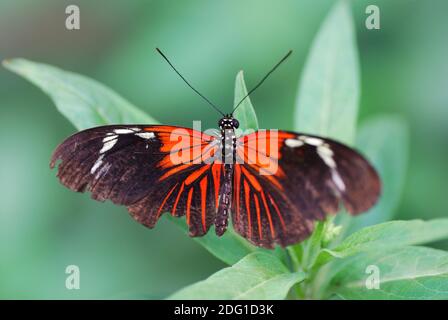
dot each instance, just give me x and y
(123, 131)
(311, 140)
(146, 135)
(293, 143)
(326, 155)
(97, 163)
(103, 170)
(337, 180)
(110, 137)
(108, 145)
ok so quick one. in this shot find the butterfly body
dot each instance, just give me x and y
(227, 127)
(225, 201)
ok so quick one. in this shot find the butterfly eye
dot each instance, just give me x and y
(235, 123)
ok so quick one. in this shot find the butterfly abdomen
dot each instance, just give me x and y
(228, 157)
(225, 201)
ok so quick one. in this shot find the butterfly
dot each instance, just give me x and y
(273, 184)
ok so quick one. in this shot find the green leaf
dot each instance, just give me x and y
(378, 238)
(328, 96)
(257, 276)
(327, 104)
(392, 234)
(404, 273)
(245, 113)
(384, 141)
(229, 248)
(312, 246)
(85, 102)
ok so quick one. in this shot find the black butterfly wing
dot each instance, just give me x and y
(132, 165)
(285, 181)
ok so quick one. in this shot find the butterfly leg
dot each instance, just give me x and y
(225, 201)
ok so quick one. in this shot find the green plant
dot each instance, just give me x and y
(334, 260)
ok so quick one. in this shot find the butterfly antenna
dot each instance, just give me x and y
(185, 80)
(262, 80)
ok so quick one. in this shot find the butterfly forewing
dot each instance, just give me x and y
(144, 168)
(293, 180)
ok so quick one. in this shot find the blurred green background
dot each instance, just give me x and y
(45, 227)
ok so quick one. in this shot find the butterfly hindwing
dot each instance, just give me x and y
(263, 213)
(132, 166)
(191, 192)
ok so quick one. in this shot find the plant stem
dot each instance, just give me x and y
(294, 259)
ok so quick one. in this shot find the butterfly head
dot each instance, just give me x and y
(228, 122)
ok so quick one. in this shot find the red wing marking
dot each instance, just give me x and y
(196, 174)
(177, 199)
(190, 195)
(169, 146)
(203, 186)
(173, 171)
(257, 208)
(255, 150)
(165, 200)
(216, 171)
(179, 131)
(264, 168)
(257, 155)
(166, 129)
(207, 152)
(268, 212)
(273, 180)
(252, 179)
(181, 138)
(266, 134)
(247, 201)
(271, 177)
(165, 163)
(278, 211)
(259, 143)
(237, 188)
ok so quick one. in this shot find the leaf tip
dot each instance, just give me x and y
(6, 63)
(12, 63)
